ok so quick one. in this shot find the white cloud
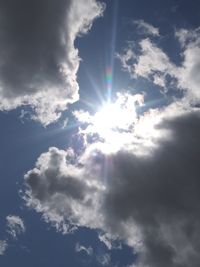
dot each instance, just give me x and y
(154, 64)
(41, 70)
(146, 191)
(127, 58)
(87, 250)
(151, 63)
(130, 196)
(106, 238)
(152, 59)
(113, 122)
(188, 75)
(186, 36)
(146, 28)
(15, 226)
(3, 247)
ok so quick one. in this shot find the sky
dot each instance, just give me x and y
(99, 139)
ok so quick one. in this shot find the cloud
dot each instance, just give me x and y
(15, 226)
(69, 197)
(154, 64)
(144, 192)
(188, 75)
(38, 60)
(146, 28)
(106, 238)
(151, 63)
(3, 247)
(186, 36)
(113, 122)
(148, 200)
(88, 251)
(104, 259)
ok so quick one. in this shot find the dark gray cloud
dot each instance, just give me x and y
(149, 200)
(32, 48)
(160, 193)
(38, 60)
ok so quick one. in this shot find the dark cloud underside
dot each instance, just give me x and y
(156, 194)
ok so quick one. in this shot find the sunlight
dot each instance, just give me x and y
(114, 121)
(112, 118)
(117, 125)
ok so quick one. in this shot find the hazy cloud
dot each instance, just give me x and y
(15, 226)
(146, 28)
(3, 247)
(104, 259)
(87, 250)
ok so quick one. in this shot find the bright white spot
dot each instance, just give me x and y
(115, 120)
(118, 125)
(112, 117)
(111, 123)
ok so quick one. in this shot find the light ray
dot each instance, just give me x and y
(110, 65)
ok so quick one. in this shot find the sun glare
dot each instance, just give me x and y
(114, 120)
(110, 117)
(118, 125)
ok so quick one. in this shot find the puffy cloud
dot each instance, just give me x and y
(69, 196)
(148, 200)
(154, 64)
(137, 177)
(188, 75)
(146, 28)
(186, 36)
(15, 226)
(3, 247)
(151, 63)
(79, 248)
(38, 60)
(151, 60)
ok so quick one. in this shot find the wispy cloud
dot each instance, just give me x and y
(3, 247)
(15, 226)
(155, 65)
(104, 259)
(146, 28)
(87, 250)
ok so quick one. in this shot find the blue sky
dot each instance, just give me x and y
(99, 114)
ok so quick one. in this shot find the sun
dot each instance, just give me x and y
(113, 121)
(113, 118)
(117, 125)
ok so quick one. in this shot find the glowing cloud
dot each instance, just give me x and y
(114, 121)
